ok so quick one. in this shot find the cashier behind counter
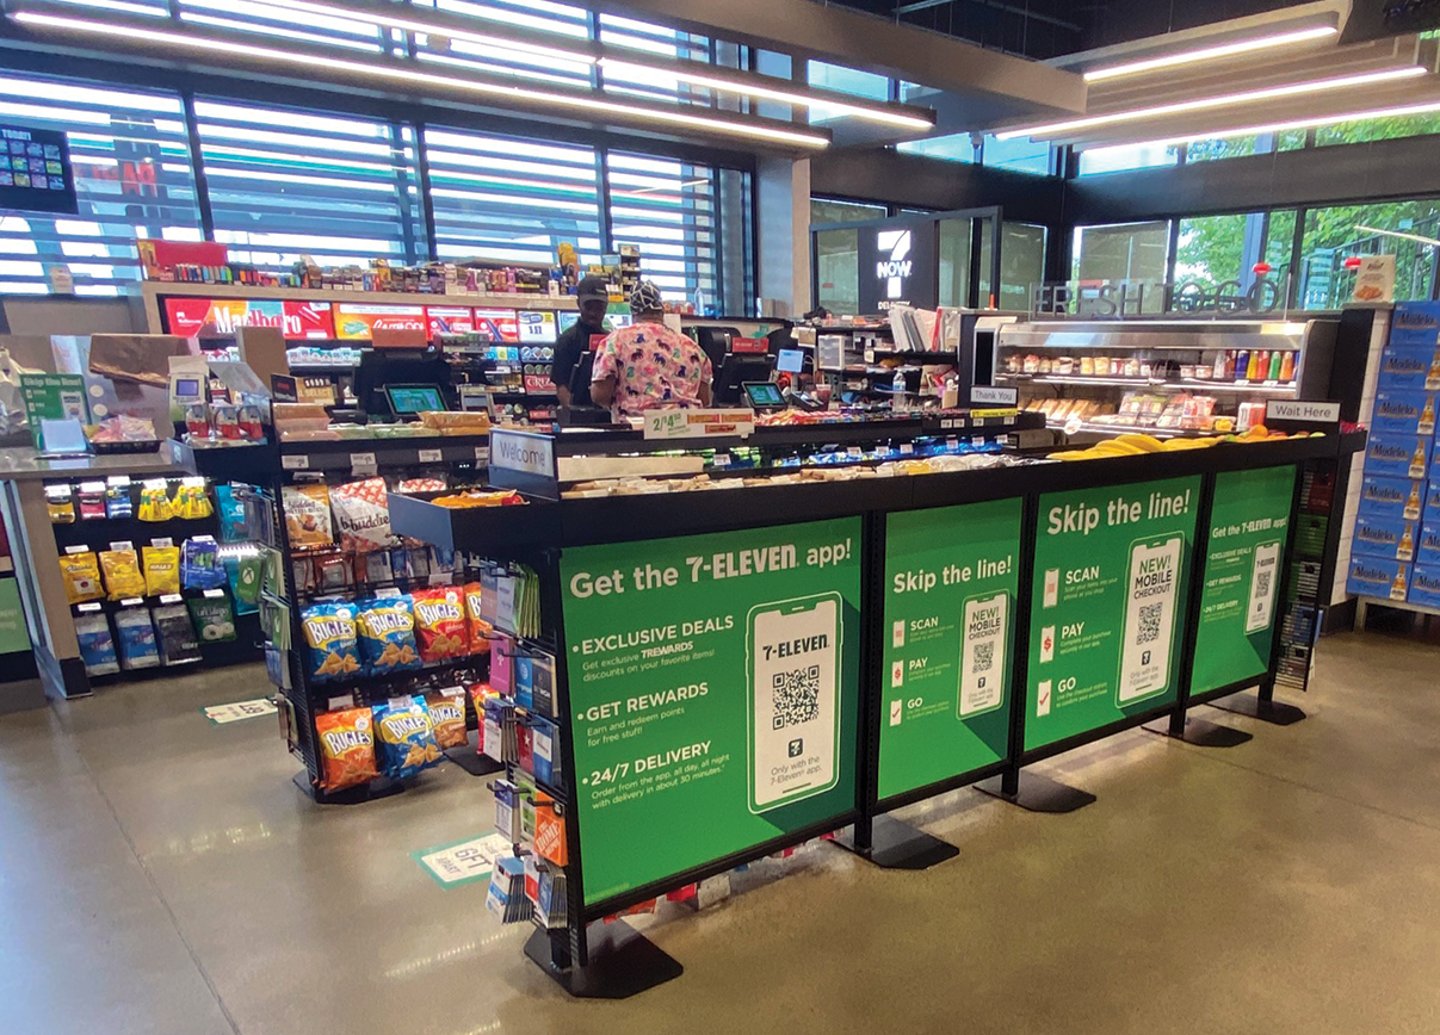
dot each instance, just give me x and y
(593, 297)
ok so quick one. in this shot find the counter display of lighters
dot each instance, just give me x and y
(159, 573)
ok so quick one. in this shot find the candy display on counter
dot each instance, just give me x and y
(162, 569)
(80, 575)
(135, 637)
(176, 635)
(213, 618)
(97, 644)
(123, 577)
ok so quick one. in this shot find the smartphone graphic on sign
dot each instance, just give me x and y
(982, 654)
(1151, 595)
(1262, 587)
(793, 660)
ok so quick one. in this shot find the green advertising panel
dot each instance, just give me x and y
(1108, 606)
(1249, 523)
(714, 694)
(13, 634)
(951, 577)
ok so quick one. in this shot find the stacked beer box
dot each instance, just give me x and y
(1395, 553)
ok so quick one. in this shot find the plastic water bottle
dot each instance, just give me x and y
(897, 392)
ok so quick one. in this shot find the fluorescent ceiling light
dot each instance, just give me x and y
(1432, 241)
(1219, 101)
(874, 113)
(1422, 108)
(395, 21)
(571, 102)
(1221, 50)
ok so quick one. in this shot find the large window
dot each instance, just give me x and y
(1022, 263)
(1217, 249)
(512, 200)
(286, 184)
(957, 147)
(1123, 252)
(829, 210)
(1125, 157)
(670, 210)
(1358, 131)
(274, 21)
(1409, 230)
(837, 265)
(133, 178)
(954, 254)
(1018, 155)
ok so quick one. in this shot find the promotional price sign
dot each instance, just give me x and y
(950, 583)
(713, 687)
(1249, 525)
(1108, 609)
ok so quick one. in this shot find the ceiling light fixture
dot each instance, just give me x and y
(1220, 101)
(873, 113)
(570, 102)
(1432, 241)
(1220, 50)
(1423, 108)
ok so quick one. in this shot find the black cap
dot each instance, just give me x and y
(591, 289)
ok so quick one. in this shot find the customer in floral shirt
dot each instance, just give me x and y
(648, 366)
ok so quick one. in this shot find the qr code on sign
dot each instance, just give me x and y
(1262, 584)
(795, 696)
(984, 656)
(1149, 623)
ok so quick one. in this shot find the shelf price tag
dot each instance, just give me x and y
(482, 454)
(363, 464)
(86, 608)
(977, 440)
(722, 459)
(430, 456)
(132, 601)
(907, 448)
(295, 462)
(854, 451)
(122, 544)
(171, 598)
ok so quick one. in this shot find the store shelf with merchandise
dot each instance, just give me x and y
(1167, 376)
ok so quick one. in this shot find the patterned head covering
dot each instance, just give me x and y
(645, 298)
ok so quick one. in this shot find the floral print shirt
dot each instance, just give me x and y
(653, 366)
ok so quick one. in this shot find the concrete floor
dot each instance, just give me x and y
(161, 875)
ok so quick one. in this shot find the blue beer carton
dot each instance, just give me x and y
(1404, 413)
(1425, 585)
(1408, 369)
(1393, 499)
(1427, 547)
(1397, 456)
(1415, 325)
(1376, 577)
(1392, 540)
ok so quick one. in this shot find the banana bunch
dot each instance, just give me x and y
(1133, 445)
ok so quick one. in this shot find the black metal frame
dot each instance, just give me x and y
(581, 522)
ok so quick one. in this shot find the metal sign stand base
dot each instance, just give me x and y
(894, 845)
(1036, 793)
(1271, 711)
(469, 758)
(1200, 733)
(623, 963)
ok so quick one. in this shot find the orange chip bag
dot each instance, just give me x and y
(347, 747)
(440, 624)
(447, 715)
(480, 629)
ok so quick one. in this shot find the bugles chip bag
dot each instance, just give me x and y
(480, 628)
(386, 630)
(330, 637)
(404, 737)
(347, 748)
(440, 624)
(447, 716)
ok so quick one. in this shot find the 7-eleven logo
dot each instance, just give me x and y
(895, 269)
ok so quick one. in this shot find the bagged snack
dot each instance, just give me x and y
(386, 631)
(244, 572)
(347, 748)
(330, 638)
(162, 569)
(213, 618)
(81, 575)
(175, 634)
(200, 566)
(413, 485)
(122, 574)
(155, 503)
(447, 716)
(362, 515)
(480, 629)
(307, 515)
(97, 645)
(404, 737)
(440, 624)
(135, 638)
(332, 573)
